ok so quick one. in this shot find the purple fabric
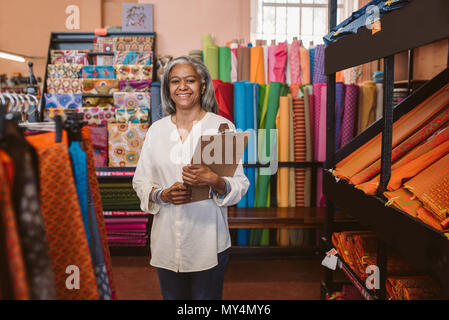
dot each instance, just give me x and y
(339, 102)
(99, 137)
(134, 85)
(318, 65)
(349, 114)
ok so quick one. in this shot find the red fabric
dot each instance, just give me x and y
(224, 93)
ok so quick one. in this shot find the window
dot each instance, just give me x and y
(282, 20)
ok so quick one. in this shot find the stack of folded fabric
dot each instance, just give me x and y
(195, 54)
(359, 250)
(119, 196)
(127, 231)
(399, 94)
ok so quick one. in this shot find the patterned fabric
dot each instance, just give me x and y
(349, 114)
(101, 44)
(133, 44)
(64, 85)
(412, 288)
(294, 62)
(98, 72)
(78, 158)
(133, 57)
(99, 135)
(16, 268)
(133, 115)
(64, 71)
(125, 143)
(98, 115)
(50, 113)
(404, 200)
(132, 100)
(94, 188)
(431, 185)
(299, 130)
(318, 65)
(69, 56)
(134, 85)
(62, 218)
(63, 101)
(99, 86)
(418, 137)
(133, 72)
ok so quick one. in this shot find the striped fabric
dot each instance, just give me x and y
(299, 126)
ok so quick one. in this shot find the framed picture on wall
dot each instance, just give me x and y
(137, 17)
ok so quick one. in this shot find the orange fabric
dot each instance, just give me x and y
(340, 76)
(294, 89)
(412, 288)
(61, 213)
(95, 189)
(428, 218)
(431, 187)
(402, 128)
(404, 200)
(414, 167)
(16, 272)
(257, 69)
(370, 187)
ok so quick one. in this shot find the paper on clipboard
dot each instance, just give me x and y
(221, 152)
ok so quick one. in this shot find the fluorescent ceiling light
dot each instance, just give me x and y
(10, 56)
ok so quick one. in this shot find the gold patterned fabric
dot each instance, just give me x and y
(133, 44)
(57, 85)
(133, 72)
(125, 142)
(64, 70)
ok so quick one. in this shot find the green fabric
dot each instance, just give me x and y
(211, 61)
(224, 64)
(206, 41)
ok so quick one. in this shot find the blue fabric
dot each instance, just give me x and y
(96, 250)
(378, 76)
(312, 63)
(201, 285)
(360, 17)
(156, 106)
(79, 164)
(339, 101)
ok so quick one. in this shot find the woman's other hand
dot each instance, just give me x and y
(178, 193)
(197, 175)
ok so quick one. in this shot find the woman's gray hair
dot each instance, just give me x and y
(208, 101)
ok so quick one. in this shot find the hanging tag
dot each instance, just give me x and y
(330, 260)
(376, 27)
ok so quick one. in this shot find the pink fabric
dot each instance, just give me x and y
(321, 145)
(280, 62)
(294, 61)
(316, 117)
(130, 226)
(271, 61)
(349, 114)
(125, 220)
(234, 62)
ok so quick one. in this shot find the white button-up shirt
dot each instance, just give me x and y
(187, 237)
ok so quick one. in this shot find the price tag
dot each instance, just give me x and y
(330, 260)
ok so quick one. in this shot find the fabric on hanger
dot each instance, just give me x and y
(243, 67)
(339, 104)
(224, 64)
(402, 128)
(257, 69)
(318, 65)
(94, 188)
(211, 61)
(370, 187)
(156, 106)
(367, 105)
(349, 114)
(295, 63)
(430, 186)
(305, 65)
(13, 278)
(135, 85)
(280, 63)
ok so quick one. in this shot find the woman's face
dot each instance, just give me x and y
(185, 86)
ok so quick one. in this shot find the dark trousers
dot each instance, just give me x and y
(201, 285)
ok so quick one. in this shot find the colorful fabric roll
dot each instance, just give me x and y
(98, 115)
(100, 86)
(134, 85)
(224, 93)
(234, 62)
(243, 67)
(133, 72)
(305, 65)
(318, 65)
(133, 57)
(102, 44)
(125, 142)
(205, 42)
(431, 185)
(98, 72)
(312, 63)
(64, 71)
(291, 155)
(99, 140)
(63, 101)
(280, 63)
(140, 44)
(307, 89)
(282, 125)
(300, 148)
(295, 63)
(132, 100)
(271, 62)
(156, 107)
(224, 64)
(412, 288)
(211, 61)
(69, 56)
(132, 115)
(367, 105)
(380, 100)
(339, 104)
(349, 114)
(257, 69)
(59, 86)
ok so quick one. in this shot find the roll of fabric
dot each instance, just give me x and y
(349, 114)
(224, 93)
(206, 41)
(402, 128)
(291, 155)
(321, 146)
(288, 78)
(243, 66)
(195, 54)
(380, 100)
(224, 64)
(295, 63)
(412, 288)
(156, 107)
(211, 61)
(339, 104)
(271, 62)
(312, 63)
(300, 148)
(234, 62)
(265, 62)
(257, 68)
(305, 65)
(317, 107)
(318, 65)
(367, 105)
(309, 146)
(282, 124)
(280, 62)
(252, 102)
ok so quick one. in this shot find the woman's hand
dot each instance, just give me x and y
(178, 193)
(197, 175)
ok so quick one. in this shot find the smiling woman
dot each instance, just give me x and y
(189, 240)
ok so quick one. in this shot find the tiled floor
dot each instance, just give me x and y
(245, 278)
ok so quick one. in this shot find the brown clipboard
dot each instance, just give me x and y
(214, 152)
